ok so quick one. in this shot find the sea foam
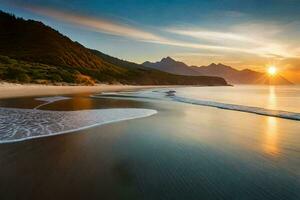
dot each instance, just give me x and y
(23, 124)
(49, 100)
(170, 94)
(241, 108)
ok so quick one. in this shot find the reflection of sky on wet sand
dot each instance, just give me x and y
(79, 102)
(76, 102)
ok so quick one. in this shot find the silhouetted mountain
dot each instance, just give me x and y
(245, 76)
(169, 65)
(230, 74)
(31, 51)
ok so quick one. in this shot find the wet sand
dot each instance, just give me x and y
(10, 90)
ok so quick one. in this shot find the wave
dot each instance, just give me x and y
(241, 108)
(49, 100)
(24, 124)
(167, 94)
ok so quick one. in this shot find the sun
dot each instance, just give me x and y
(272, 70)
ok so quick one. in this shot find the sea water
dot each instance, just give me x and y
(185, 151)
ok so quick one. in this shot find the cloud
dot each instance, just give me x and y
(96, 24)
(291, 64)
(252, 38)
(212, 35)
(202, 46)
(124, 30)
(199, 54)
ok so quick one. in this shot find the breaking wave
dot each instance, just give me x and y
(171, 94)
(241, 108)
(23, 124)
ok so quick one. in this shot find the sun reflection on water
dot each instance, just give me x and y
(270, 144)
(272, 100)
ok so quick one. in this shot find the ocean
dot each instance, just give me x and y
(238, 142)
(284, 98)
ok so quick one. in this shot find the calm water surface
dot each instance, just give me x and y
(183, 152)
(285, 98)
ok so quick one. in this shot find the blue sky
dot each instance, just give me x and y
(244, 34)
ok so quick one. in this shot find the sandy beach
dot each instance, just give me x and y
(10, 90)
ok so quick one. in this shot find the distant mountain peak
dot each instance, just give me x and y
(222, 65)
(168, 59)
(247, 70)
(172, 66)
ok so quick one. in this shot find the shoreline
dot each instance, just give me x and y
(10, 90)
(92, 119)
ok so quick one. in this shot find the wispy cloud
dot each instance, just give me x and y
(213, 35)
(255, 40)
(198, 54)
(124, 30)
(96, 24)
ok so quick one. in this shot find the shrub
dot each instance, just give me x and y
(83, 79)
(5, 60)
(67, 76)
(13, 72)
(41, 81)
(24, 78)
(56, 78)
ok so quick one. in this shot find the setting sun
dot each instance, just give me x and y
(272, 70)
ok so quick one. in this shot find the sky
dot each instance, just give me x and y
(252, 34)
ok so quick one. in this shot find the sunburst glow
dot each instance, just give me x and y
(272, 70)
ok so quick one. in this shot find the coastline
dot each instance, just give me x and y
(11, 90)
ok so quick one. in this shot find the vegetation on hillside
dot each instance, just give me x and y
(28, 72)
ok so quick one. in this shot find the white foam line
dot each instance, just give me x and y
(241, 108)
(147, 94)
(147, 113)
(43, 104)
(249, 109)
(49, 100)
(52, 98)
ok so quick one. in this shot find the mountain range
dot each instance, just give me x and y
(30, 51)
(233, 76)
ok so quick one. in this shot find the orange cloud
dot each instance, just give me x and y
(96, 24)
(239, 41)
